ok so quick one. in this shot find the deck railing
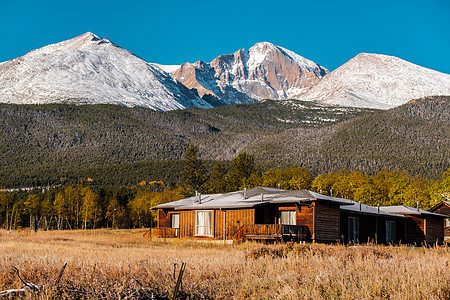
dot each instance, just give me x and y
(270, 231)
(163, 232)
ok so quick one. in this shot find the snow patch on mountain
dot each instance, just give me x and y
(166, 68)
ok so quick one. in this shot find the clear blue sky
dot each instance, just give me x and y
(173, 32)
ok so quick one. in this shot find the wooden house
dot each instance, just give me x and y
(421, 226)
(443, 208)
(266, 213)
(257, 213)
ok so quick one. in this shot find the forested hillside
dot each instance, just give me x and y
(117, 145)
(114, 145)
(414, 137)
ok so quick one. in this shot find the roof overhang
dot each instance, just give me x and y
(375, 214)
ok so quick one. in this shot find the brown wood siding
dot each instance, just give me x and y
(163, 218)
(187, 223)
(235, 219)
(434, 230)
(244, 216)
(305, 217)
(415, 229)
(326, 222)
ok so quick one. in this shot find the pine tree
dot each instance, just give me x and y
(194, 174)
(242, 169)
(216, 181)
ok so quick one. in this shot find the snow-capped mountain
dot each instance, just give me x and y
(378, 81)
(90, 70)
(266, 71)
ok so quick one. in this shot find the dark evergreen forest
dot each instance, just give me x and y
(118, 146)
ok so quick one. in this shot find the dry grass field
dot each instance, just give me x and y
(121, 264)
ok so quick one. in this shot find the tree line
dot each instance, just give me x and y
(85, 206)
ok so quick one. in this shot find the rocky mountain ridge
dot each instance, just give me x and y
(93, 70)
(266, 71)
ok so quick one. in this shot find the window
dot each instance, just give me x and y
(175, 220)
(287, 217)
(204, 223)
(390, 231)
(447, 222)
(353, 229)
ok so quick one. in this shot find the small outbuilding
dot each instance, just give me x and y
(443, 208)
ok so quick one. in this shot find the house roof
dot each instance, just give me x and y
(407, 210)
(439, 205)
(251, 198)
(367, 209)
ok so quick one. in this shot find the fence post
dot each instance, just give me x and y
(180, 277)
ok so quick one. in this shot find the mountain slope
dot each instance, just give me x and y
(266, 71)
(378, 81)
(53, 141)
(91, 70)
(106, 142)
(413, 137)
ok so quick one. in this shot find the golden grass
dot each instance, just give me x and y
(106, 264)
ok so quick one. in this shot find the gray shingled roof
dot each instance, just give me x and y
(367, 209)
(250, 198)
(407, 210)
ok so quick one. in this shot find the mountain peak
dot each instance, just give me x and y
(76, 43)
(265, 50)
(376, 57)
(89, 35)
(262, 48)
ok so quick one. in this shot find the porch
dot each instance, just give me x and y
(164, 232)
(270, 232)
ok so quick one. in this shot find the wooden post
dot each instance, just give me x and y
(180, 277)
(314, 223)
(376, 230)
(224, 225)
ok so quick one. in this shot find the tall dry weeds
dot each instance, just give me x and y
(119, 263)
